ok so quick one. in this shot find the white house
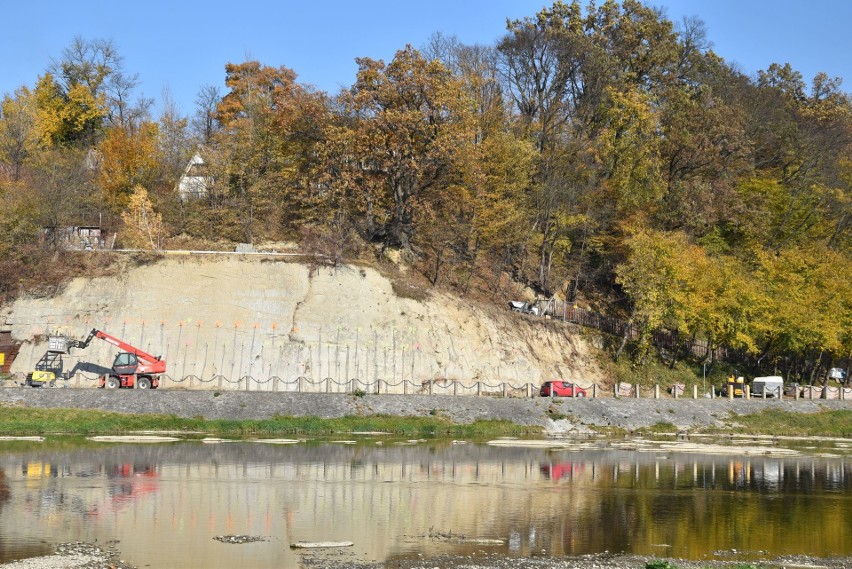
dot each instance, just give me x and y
(195, 180)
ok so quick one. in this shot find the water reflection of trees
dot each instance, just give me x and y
(692, 505)
(4, 488)
(564, 502)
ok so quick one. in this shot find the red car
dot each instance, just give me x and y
(561, 389)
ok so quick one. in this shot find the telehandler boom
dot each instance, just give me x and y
(132, 367)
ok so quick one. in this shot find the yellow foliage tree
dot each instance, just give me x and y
(811, 310)
(128, 159)
(65, 117)
(18, 134)
(143, 227)
(650, 277)
(629, 151)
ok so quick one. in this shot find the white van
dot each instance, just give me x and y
(771, 385)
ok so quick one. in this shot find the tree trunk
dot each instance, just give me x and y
(626, 336)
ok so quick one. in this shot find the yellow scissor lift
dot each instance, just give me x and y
(50, 366)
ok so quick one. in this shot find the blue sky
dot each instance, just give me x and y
(182, 45)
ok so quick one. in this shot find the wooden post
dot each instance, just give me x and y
(656, 391)
(636, 391)
(594, 391)
(695, 392)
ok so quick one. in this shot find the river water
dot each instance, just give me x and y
(392, 499)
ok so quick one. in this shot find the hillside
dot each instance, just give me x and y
(258, 318)
(599, 152)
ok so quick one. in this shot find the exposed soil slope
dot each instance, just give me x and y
(255, 318)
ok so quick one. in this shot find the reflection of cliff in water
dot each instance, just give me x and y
(584, 501)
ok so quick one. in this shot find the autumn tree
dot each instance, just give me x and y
(581, 80)
(143, 226)
(128, 158)
(67, 116)
(19, 138)
(802, 139)
(810, 310)
(404, 126)
(487, 229)
(270, 124)
(56, 193)
(649, 277)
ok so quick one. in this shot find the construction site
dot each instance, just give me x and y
(261, 323)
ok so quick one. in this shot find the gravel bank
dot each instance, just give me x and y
(75, 555)
(88, 556)
(556, 416)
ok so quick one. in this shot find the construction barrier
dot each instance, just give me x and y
(379, 386)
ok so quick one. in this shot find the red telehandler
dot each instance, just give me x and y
(132, 367)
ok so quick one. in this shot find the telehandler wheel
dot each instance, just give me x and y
(143, 383)
(112, 383)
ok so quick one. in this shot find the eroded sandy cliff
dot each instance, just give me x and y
(253, 319)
